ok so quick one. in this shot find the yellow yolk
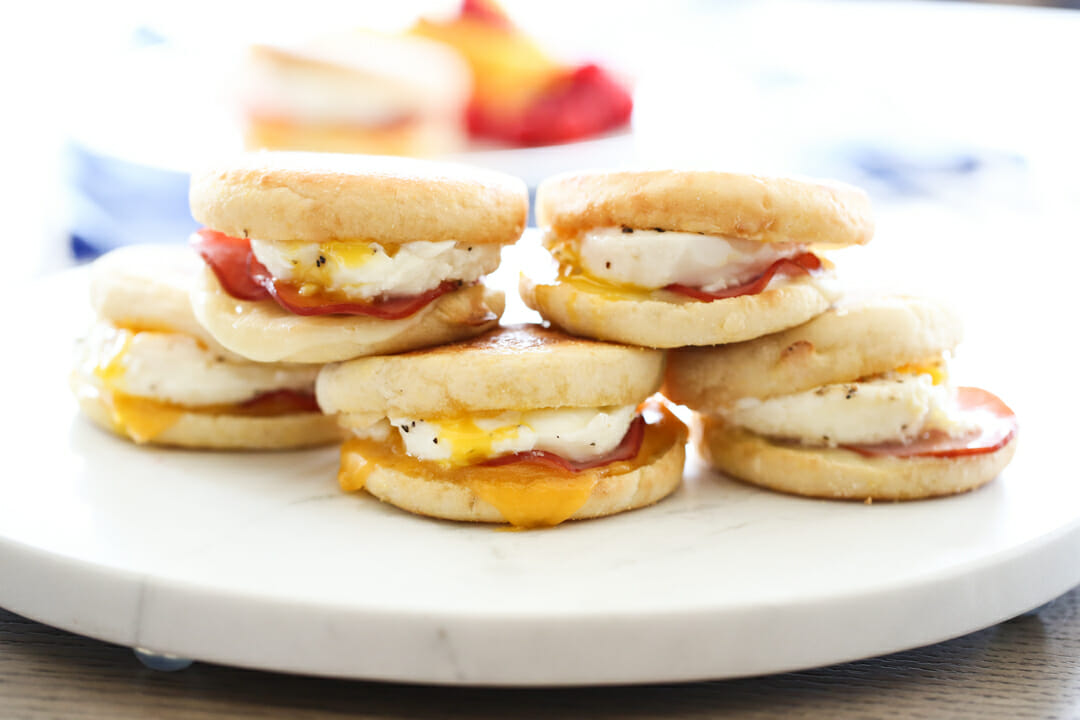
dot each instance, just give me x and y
(936, 370)
(469, 442)
(565, 253)
(326, 259)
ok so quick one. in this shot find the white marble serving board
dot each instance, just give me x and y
(258, 560)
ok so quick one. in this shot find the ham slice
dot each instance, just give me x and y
(245, 278)
(806, 263)
(627, 449)
(996, 427)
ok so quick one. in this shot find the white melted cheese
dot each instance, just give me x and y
(653, 259)
(365, 270)
(176, 368)
(892, 407)
(577, 434)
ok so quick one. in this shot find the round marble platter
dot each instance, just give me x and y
(258, 560)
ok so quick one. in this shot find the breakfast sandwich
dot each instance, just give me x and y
(149, 372)
(522, 425)
(855, 404)
(317, 258)
(670, 258)
(358, 92)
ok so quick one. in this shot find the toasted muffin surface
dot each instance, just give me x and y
(860, 338)
(732, 205)
(842, 474)
(147, 287)
(517, 367)
(671, 324)
(313, 197)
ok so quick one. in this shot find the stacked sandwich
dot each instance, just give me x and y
(305, 259)
(797, 389)
(372, 265)
(341, 297)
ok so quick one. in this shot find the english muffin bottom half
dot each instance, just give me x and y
(149, 372)
(521, 425)
(670, 258)
(855, 404)
(316, 258)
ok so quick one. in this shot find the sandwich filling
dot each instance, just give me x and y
(344, 277)
(912, 410)
(703, 267)
(536, 467)
(578, 435)
(149, 378)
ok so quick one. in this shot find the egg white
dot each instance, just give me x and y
(577, 434)
(178, 369)
(892, 407)
(367, 270)
(653, 259)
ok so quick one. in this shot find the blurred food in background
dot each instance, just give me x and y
(914, 101)
(358, 92)
(420, 92)
(521, 95)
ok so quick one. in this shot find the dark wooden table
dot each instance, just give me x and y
(1028, 667)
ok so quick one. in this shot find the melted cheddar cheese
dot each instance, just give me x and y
(140, 418)
(143, 418)
(527, 495)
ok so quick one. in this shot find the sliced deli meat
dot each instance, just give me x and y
(245, 278)
(996, 424)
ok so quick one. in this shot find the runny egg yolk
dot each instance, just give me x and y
(469, 442)
(314, 266)
(570, 271)
(935, 369)
(577, 434)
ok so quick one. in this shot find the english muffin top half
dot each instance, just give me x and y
(357, 199)
(729, 205)
(856, 339)
(520, 367)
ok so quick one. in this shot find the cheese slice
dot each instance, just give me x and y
(527, 495)
(143, 418)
